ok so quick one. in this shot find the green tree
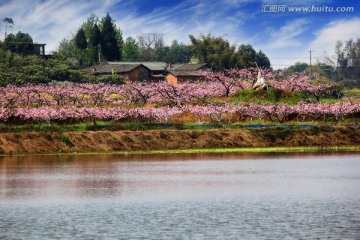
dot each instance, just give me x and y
(81, 45)
(297, 67)
(95, 40)
(262, 60)
(130, 50)
(178, 53)
(18, 70)
(215, 51)
(219, 54)
(93, 37)
(66, 49)
(21, 43)
(246, 56)
(80, 39)
(111, 42)
(348, 62)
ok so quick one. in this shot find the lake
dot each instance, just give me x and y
(181, 196)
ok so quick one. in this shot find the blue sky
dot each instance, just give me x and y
(284, 36)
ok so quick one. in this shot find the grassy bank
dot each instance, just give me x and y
(311, 149)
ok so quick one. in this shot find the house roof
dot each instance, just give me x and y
(186, 73)
(153, 66)
(190, 67)
(109, 67)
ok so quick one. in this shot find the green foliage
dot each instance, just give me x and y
(262, 60)
(21, 43)
(66, 49)
(219, 54)
(65, 139)
(130, 50)
(314, 130)
(135, 126)
(272, 133)
(18, 70)
(110, 41)
(344, 67)
(214, 51)
(274, 94)
(297, 67)
(95, 36)
(95, 40)
(246, 56)
(80, 39)
(111, 79)
(178, 53)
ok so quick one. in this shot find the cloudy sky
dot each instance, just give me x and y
(273, 26)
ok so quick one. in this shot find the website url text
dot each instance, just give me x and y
(302, 9)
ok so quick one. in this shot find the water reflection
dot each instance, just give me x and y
(188, 196)
(174, 176)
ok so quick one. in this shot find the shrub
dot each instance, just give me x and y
(65, 139)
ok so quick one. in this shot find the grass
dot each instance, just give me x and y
(65, 139)
(269, 96)
(252, 150)
(308, 149)
(143, 126)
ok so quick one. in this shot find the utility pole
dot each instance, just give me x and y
(310, 61)
(99, 52)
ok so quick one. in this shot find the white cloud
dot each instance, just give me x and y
(50, 21)
(337, 30)
(185, 18)
(287, 35)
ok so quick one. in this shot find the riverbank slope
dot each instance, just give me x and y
(110, 141)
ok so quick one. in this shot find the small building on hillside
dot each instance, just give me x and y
(132, 71)
(186, 72)
(158, 70)
(39, 49)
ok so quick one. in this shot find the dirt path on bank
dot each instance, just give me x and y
(106, 141)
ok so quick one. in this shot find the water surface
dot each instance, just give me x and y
(181, 196)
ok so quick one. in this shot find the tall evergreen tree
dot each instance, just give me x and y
(95, 37)
(109, 43)
(81, 45)
(80, 39)
(91, 52)
(95, 40)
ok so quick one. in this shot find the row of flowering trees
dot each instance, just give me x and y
(223, 83)
(76, 94)
(160, 101)
(215, 112)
